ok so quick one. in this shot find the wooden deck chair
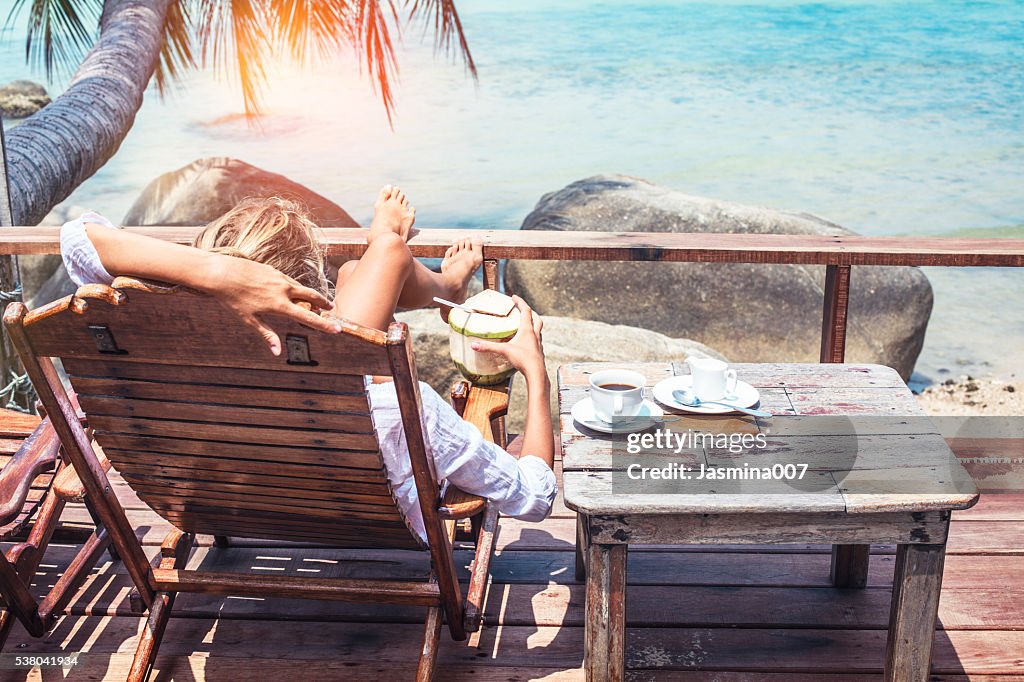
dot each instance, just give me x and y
(221, 438)
(35, 485)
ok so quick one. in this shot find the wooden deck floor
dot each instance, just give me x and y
(725, 614)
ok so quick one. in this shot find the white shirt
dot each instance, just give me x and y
(523, 488)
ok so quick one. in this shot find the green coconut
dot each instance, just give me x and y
(483, 379)
(481, 367)
(482, 326)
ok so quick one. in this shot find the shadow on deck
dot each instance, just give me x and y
(726, 613)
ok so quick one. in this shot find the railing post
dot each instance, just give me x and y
(849, 562)
(490, 273)
(833, 318)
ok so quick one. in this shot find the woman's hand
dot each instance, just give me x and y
(524, 351)
(252, 290)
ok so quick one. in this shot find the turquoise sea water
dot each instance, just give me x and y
(885, 117)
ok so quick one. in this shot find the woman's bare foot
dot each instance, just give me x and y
(391, 213)
(462, 259)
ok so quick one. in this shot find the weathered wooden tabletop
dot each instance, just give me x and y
(867, 444)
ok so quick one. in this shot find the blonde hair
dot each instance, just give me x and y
(274, 231)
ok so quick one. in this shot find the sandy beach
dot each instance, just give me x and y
(971, 396)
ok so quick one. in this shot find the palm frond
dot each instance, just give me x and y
(176, 53)
(251, 48)
(237, 37)
(311, 29)
(233, 35)
(57, 36)
(373, 41)
(447, 28)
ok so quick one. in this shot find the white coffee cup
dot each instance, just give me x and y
(712, 379)
(616, 394)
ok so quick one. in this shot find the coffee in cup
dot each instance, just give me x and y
(616, 394)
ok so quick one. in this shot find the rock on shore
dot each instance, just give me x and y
(21, 99)
(194, 195)
(208, 188)
(565, 340)
(749, 312)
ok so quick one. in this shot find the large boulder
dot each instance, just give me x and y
(208, 188)
(197, 194)
(565, 340)
(750, 312)
(21, 99)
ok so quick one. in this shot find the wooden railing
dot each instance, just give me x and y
(837, 253)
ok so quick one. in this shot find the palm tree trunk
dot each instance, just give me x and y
(58, 148)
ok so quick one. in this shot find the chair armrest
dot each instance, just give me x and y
(458, 504)
(480, 406)
(69, 486)
(39, 453)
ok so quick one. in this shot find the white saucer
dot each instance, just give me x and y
(583, 414)
(746, 396)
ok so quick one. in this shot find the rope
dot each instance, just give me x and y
(18, 386)
(10, 296)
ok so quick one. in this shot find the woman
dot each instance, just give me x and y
(263, 257)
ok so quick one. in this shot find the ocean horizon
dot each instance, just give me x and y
(888, 118)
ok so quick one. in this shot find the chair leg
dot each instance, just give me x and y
(20, 601)
(174, 553)
(431, 640)
(18, 558)
(26, 559)
(152, 633)
(6, 623)
(475, 524)
(481, 569)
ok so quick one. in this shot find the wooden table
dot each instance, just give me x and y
(897, 486)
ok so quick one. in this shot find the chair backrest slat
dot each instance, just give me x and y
(214, 394)
(352, 460)
(105, 367)
(233, 433)
(215, 433)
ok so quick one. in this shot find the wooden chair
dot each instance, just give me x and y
(220, 437)
(35, 485)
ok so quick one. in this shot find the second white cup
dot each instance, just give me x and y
(712, 379)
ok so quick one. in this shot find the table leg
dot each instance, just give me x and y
(581, 548)
(850, 565)
(605, 630)
(914, 609)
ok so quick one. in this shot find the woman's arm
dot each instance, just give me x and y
(526, 353)
(248, 288)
